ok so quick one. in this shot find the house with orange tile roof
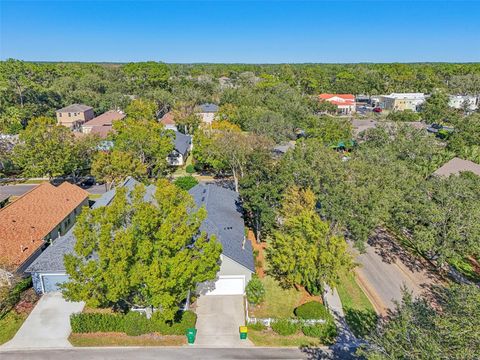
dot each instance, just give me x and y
(30, 223)
(345, 103)
(168, 121)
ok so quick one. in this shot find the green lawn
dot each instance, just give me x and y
(359, 312)
(120, 339)
(94, 197)
(10, 324)
(279, 302)
(270, 338)
(34, 181)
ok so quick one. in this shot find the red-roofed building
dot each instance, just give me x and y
(345, 103)
(168, 121)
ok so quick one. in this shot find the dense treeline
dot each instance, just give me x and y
(29, 90)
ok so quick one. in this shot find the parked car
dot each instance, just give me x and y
(377, 110)
(87, 181)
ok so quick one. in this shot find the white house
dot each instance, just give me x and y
(182, 147)
(207, 112)
(461, 101)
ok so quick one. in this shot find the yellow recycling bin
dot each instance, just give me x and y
(243, 332)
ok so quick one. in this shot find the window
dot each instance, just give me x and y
(59, 114)
(69, 114)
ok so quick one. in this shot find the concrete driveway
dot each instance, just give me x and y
(47, 326)
(219, 318)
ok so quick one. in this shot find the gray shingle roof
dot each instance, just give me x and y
(75, 108)
(225, 221)
(208, 108)
(182, 142)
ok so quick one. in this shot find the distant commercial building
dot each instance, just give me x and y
(402, 101)
(468, 102)
(74, 116)
(345, 103)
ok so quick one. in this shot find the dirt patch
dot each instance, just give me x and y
(306, 297)
(259, 251)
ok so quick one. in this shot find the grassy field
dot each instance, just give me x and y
(279, 302)
(10, 324)
(120, 339)
(359, 312)
(270, 338)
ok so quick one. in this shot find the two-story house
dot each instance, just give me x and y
(74, 116)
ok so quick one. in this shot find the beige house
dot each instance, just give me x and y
(74, 116)
(402, 101)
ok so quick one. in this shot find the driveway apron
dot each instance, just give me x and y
(48, 325)
(218, 321)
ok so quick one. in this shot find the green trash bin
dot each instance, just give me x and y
(191, 333)
(243, 332)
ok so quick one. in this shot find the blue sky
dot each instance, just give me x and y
(234, 31)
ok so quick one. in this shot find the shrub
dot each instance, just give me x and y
(312, 310)
(190, 169)
(256, 326)
(284, 327)
(135, 324)
(96, 322)
(326, 332)
(132, 324)
(186, 182)
(179, 326)
(255, 291)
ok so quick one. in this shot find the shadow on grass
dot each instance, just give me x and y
(361, 322)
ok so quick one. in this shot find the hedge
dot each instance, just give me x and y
(285, 327)
(312, 310)
(326, 332)
(132, 323)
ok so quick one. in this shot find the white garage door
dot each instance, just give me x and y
(229, 285)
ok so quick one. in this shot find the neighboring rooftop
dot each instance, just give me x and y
(360, 125)
(283, 148)
(225, 220)
(51, 259)
(456, 166)
(74, 108)
(167, 119)
(338, 99)
(182, 142)
(419, 96)
(208, 108)
(26, 222)
(106, 119)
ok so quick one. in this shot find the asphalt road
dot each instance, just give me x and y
(166, 353)
(385, 269)
(20, 189)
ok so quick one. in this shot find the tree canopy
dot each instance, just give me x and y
(127, 254)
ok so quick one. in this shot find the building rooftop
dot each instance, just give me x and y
(225, 220)
(167, 119)
(74, 108)
(456, 166)
(27, 221)
(106, 119)
(182, 142)
(208, 108)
